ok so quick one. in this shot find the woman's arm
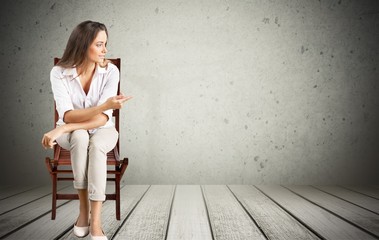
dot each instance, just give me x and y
(95, 122)
(48, 139)
(82, 115)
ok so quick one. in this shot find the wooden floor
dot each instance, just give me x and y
(203, 212)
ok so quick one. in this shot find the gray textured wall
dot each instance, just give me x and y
(224, 92)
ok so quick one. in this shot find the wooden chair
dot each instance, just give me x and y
(116, 166)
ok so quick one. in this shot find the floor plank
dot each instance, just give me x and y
(26, 214)
(350, 212)
(150, 218)
(189, 220)
(366, 202)
(25, 197)
(228, 219)
(272, 219)
(45, 228)
(324, 223)
(130, 196)
(9, 191)
(366, 190)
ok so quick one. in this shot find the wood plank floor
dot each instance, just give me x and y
(202, 212)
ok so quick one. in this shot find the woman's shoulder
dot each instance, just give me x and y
(57, 68)
(57, 71)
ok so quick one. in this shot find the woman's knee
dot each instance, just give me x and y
(104, 140)
(105, 147)
(79, 137)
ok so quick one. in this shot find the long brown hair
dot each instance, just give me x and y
(80, 40)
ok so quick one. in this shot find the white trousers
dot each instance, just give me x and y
(89, 158)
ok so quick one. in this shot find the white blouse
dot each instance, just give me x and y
(69, 94)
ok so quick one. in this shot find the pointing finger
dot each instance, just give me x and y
(125, 99)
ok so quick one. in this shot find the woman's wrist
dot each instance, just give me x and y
(66, 127)
(104, 107)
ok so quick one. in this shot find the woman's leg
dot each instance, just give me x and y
(96, 229)
(83, 218)
(77, 142)
(100, 143)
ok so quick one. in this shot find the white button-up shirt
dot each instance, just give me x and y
(69, 94)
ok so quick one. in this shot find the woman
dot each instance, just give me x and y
(85, 85)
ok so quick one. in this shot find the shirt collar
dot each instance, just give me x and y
(69, 71)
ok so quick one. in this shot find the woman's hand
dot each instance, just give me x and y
(48, 139)
(116, 101)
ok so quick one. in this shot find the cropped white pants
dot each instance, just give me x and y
(89, 158)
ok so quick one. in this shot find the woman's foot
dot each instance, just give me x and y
(96, 230)
(80, 230)
(97, 233)
(83, 220)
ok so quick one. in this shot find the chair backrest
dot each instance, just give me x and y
(116, 112)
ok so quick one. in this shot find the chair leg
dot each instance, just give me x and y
(54, 198)
(118, 214)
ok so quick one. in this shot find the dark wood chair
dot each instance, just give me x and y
(61, 163)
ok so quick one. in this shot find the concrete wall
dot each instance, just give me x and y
(225, 92)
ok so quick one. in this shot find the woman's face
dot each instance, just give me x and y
(97, 50)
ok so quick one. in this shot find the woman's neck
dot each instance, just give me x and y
(86, 67)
